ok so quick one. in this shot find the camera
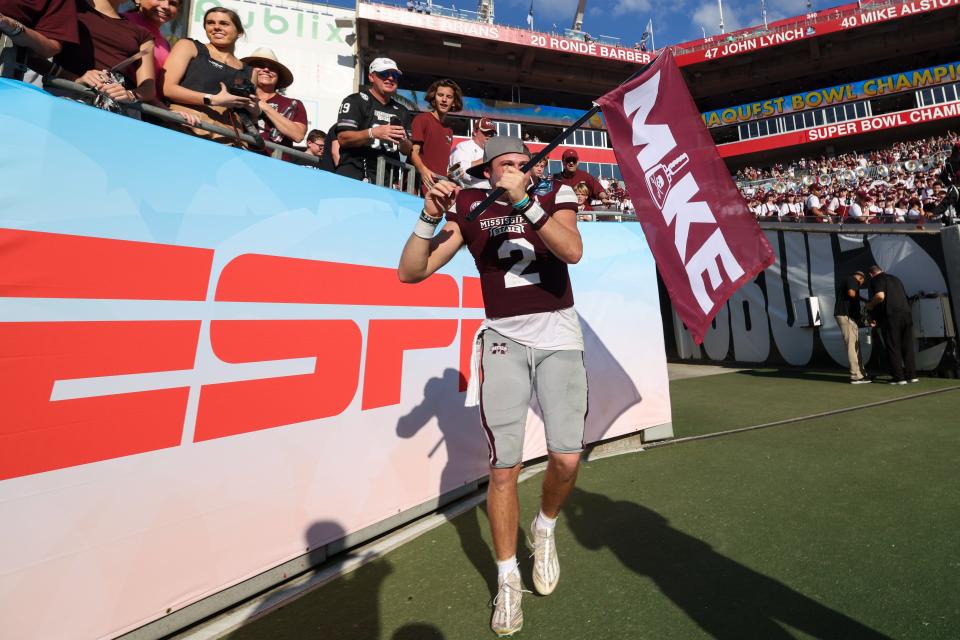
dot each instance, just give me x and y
(243, 88)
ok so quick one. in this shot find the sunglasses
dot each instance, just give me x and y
(389, 75)
(571, 161)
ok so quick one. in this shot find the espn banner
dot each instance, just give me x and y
(208, 366)
(705, 240)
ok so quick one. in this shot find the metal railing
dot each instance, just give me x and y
(9, 67)
(396, 174)
(277, 150)
(390, 173)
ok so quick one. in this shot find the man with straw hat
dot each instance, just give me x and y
(282, 120)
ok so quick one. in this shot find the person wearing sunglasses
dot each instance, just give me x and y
(372, 124)
(572, 176)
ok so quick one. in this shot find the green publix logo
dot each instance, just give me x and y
(278, 21)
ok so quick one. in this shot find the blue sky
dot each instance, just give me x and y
(673, 22)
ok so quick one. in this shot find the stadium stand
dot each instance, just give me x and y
(839, 89)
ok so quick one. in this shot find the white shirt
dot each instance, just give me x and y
(813, 202)
(791, 209)
(854, 211)
(548, 330)
(466, 153)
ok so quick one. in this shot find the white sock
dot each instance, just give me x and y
(506, 567)
(544, 522)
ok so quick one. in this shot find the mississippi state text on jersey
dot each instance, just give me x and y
(518, 273)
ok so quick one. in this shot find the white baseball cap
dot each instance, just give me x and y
(383, 64)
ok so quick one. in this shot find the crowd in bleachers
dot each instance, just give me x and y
(122, 56)
(906, 182)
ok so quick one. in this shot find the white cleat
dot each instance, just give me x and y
(546, 564)
(507, 614)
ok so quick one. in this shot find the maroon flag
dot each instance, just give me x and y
(705, 240)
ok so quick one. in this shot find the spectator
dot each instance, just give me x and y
(373, 124)
(791, 209)
(331, 151)
(105, 40)
(890, 312)
(572, 176)
(900, 210)
(857, 211)
(42, 26)
(768, 209)
(316, 143)
(469, 153)
(914, 210)
(282, 120)
(582, 191)
(197, 76)
(432, 138)
(811, 206)
(151, 15)
(839, 205)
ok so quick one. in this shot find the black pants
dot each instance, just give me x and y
(897, 333)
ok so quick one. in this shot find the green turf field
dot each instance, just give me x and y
(840, 527)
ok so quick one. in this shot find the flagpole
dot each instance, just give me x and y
(653, 41)
(720, 5)
(553, 144)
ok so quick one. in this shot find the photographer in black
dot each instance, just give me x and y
(372, 124)
(889, 308)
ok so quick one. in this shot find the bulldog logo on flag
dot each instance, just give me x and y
(705, 240)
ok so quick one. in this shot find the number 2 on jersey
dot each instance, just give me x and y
(516, 277)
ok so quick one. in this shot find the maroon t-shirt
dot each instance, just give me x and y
(103, 43)
(56, 19)
(435, 141)
(518, 273)
(288, 108)
(580, 176)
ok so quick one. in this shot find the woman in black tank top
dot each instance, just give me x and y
(197, 75)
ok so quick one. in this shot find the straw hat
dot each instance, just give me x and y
(264, 57)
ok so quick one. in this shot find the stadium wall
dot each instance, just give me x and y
(211, 377)
(764, 322)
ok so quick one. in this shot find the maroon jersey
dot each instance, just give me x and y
(518, 273)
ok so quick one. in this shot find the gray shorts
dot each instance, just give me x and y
(509, 371)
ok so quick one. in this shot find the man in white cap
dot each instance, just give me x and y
(372, 124)
(469, 153)
(522, 245)
(283, 120)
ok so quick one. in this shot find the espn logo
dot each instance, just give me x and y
(40, 432)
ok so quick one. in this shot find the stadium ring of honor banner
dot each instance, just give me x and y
(704, 239)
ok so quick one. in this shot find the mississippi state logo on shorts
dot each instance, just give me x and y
(498, 348)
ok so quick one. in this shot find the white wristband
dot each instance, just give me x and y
(370, 133)
(426, 226)
(534, 214)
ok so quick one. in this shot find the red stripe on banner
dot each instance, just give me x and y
(231, 408)
(34, 264)
(260, 278)
(387, 341)
(37, 434)
(705, 240)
